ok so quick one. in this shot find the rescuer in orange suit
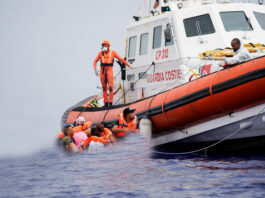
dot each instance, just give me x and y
(106, 56)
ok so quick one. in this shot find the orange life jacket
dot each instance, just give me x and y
(105, 138)
(61, 135)
(95, 139)
(82, 127)
(107, 133)
(107, 59)
(131, 126)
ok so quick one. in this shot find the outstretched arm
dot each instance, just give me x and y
(241, 56)
(233, 60)
(116, 129)
(116, 55)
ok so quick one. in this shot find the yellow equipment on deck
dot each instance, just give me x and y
(228, 52)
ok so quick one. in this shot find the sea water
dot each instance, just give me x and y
(130, 169)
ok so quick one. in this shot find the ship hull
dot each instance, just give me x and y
(238, 136)
(239, 147)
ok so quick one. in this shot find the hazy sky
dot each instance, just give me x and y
(46, 52)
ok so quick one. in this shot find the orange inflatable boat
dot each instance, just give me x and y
(218, 95)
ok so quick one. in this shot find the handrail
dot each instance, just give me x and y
(188, 57)
(153, 64)
(97, 96)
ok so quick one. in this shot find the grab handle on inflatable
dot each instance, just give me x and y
(212, 95)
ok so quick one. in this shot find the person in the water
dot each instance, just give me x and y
(127, 123)
(81, 136)
(67, 142)
(93, 140)
(105, 134)
(81, 125)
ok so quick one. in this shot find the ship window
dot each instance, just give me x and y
(132, 46)
(132, 86)
(199, 25)
(157, 37)
(144, 44)
(235, 21)
(131, 77)
(260, 18)
(168, 35)
(142, 75)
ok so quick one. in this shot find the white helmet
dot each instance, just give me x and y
(80, 120)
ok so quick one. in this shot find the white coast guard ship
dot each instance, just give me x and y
(193, 103)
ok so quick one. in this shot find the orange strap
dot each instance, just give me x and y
(121, 134)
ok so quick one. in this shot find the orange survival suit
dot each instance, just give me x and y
(106, 71)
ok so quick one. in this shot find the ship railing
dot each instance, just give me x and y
(188, 58)
(184, 61)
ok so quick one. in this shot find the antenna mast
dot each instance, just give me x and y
(140, 9)
(149, 8)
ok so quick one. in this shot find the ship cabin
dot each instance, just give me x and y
(178, 33)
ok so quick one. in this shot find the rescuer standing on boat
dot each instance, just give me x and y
(106, 57)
